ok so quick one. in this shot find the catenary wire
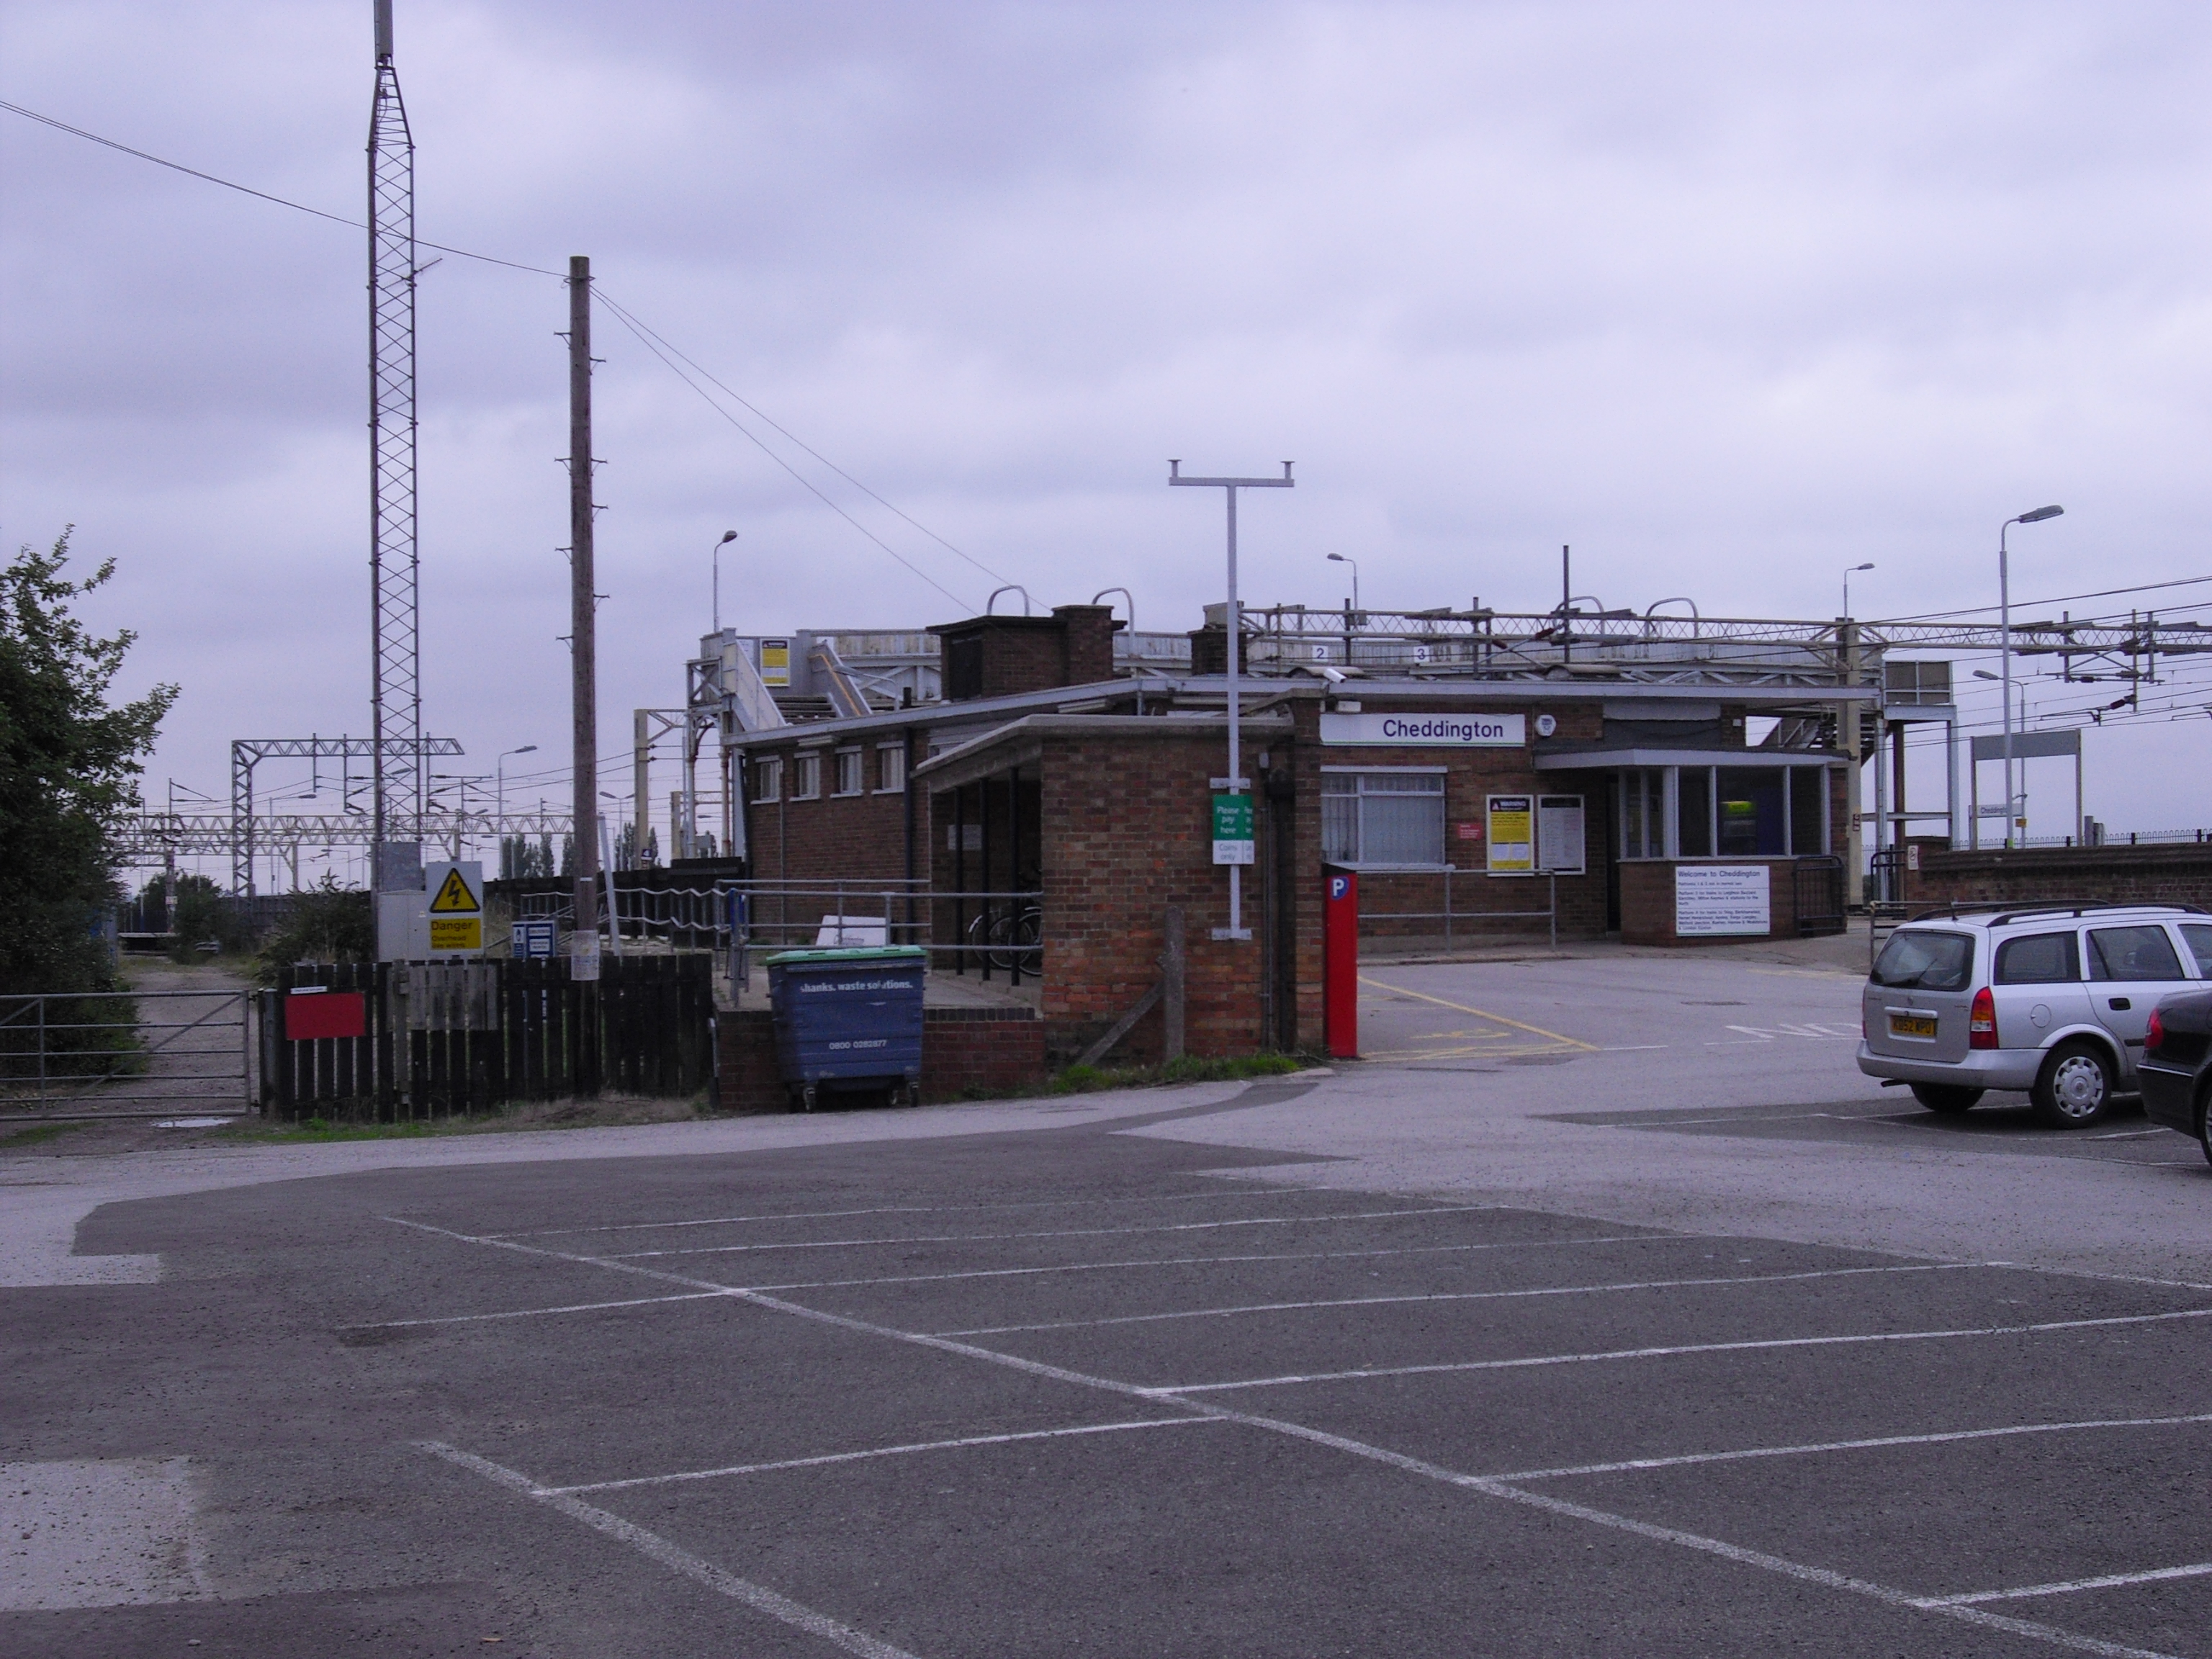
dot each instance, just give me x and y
(263, 194)
(647, 336)
(640, 332)
(735, 396)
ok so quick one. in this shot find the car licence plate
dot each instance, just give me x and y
(1912, 1025)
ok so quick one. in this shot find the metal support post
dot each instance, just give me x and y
(1847, 734)
(583, 637)
(1238, 783)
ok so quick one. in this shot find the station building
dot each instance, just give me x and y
(1055, 781)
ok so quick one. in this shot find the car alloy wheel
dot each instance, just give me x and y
(2075, 1087)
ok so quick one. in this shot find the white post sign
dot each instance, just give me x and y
(1713, 900)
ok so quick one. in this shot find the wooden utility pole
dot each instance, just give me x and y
(583, 639)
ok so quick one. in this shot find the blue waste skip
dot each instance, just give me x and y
(848, 1019)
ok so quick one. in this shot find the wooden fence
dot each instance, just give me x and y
(442, 1038)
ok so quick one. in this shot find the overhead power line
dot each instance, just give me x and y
(668, 354)
(645, 338)
(2063, 598)
(262, 194)
(736, 396)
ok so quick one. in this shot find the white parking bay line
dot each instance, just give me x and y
(759, 1597)
(1751, 1346)
(1067, 1232)
(905, 1209)
(1817, 1448)
(880, 1451)
(1204, 1260)
(1464, 1296)
(739, 1291)
(1803, 1573)
(535, 1313)
(2109, 1581)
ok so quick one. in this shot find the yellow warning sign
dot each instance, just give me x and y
(461, 935)
(455, 899)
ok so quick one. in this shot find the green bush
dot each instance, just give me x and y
(326, 923)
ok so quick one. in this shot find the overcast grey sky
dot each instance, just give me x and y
(1729, 297)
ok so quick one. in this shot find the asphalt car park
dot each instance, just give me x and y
(1083, 1387)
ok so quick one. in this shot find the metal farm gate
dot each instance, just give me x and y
(123, 1055)
(416, 1040)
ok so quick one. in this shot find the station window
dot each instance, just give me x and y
(1726, 812)
(1385, 819)
(848, 772)
(890, 767)
(806, 777)
(1643, 812)
(768, 779)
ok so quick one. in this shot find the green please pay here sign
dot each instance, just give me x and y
(1232, 829)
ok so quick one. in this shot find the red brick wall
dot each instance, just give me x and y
(1007, 656)
(2171, 873)
(1471, 776)
(850, 838)
(984, 1050)
(1126, 836)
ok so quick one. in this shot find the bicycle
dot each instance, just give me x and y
(1008, 938)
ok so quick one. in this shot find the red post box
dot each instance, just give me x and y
(1339, 1021)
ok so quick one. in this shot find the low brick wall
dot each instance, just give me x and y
(962, 1049)
(2177, 872)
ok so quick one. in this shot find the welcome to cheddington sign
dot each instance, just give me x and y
(1428, 731)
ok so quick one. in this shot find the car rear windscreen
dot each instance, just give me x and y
(1919, 961)
(2039, 959)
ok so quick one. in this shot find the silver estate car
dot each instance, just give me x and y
(2054, 999)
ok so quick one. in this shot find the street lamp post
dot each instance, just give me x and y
(1848, 574)
(2004, 645)
(728, 536)
(1339, 558)
(527, 749)
(1236, 783)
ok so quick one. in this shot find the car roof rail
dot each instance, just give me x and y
(2061, 907)
(1998, 913)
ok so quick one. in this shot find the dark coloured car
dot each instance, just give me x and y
(2176, 1068)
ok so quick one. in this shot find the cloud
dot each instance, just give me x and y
(1727, 298)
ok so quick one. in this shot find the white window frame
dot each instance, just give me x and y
(891, 762)
(768, 779)
(806, 777)
(850, 768)
(1439, 772)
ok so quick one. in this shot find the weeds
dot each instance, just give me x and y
(1080, 1080)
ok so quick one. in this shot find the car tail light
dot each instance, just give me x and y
(1982, 1021)
(2155, 1035)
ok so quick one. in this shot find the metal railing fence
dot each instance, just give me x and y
(1456, 920)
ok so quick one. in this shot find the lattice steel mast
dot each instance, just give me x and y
(395, 633)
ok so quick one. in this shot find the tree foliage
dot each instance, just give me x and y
(69, 769)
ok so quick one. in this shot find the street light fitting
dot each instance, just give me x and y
(2004, 646)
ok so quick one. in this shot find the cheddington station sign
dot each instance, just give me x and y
(1427, 731)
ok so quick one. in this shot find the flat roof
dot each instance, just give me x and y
(1274, 689)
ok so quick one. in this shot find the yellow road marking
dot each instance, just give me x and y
(1479, 1013)
(1457, 1054)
